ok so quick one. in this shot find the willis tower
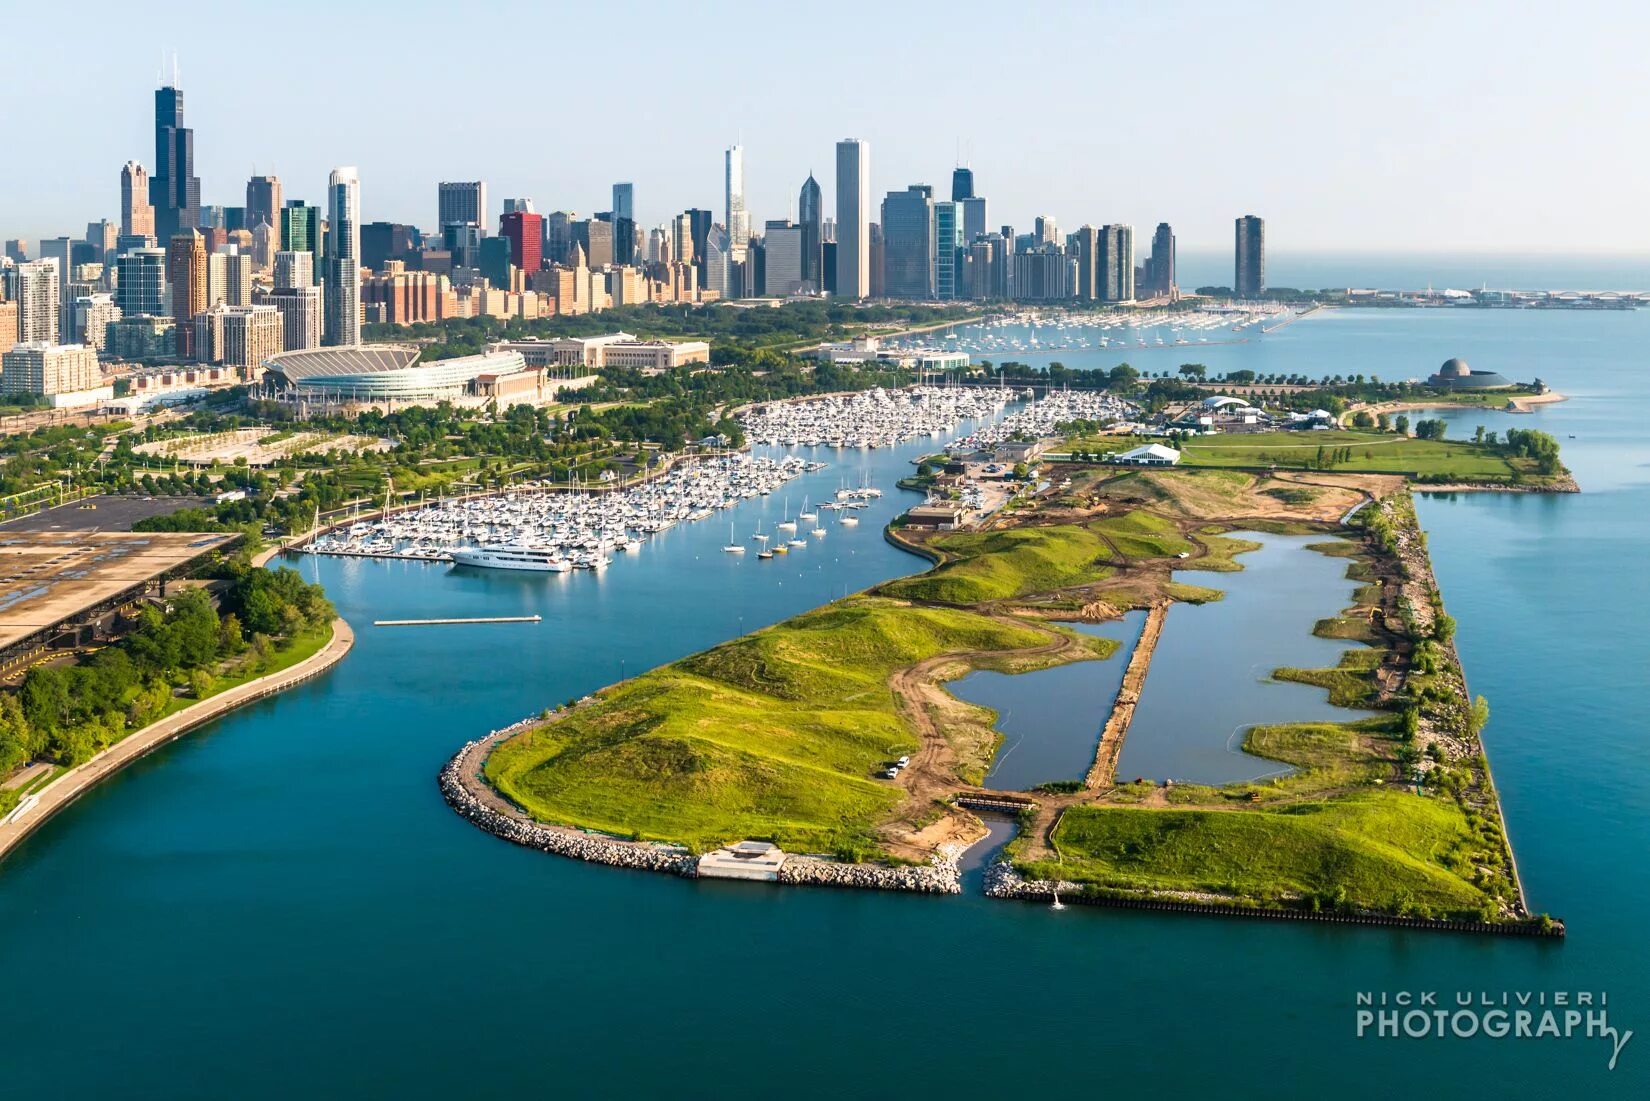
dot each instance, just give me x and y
(174, 190)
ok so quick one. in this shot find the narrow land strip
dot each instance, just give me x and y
(68, 787)
(1104, 771)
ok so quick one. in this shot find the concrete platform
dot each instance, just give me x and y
(754, 860)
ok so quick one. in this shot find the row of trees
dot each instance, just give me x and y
(66, 713)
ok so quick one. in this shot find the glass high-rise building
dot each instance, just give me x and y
(810, 208)
(738, 218)
(263, 200)
(174, 190)
(1249, 260)
(300, 231)
(962, 184)
(141, 289)
(624, 201)
(908, 242)
(853, 218)
(948, 242)
(343, 284)
(1160, 269)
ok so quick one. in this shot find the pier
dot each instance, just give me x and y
(1104, 772)
(445, 622)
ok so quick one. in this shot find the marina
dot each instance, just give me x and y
(1035, 332)
(541, 530)
(872, 418)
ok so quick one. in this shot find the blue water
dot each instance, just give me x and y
(1417, 271)
(281, 904)
(1051, 718)
(1210, 677)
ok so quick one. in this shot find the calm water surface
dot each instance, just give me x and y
(1210, 677)
(1050, 719)
(281, 904)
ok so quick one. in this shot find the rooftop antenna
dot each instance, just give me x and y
(175, 82)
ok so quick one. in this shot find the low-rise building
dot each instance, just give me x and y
(66, 374)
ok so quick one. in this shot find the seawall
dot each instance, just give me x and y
(1003, 882)
(37, 808)
(476, 802)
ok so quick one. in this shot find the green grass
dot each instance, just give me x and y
(1387, 850)
(774, 735)
(1350, 684)
(1001, 565)
(1372, 453)
(1221, 553)
(1142, 534)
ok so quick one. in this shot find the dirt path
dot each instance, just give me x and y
(1104, 771)
(68, 787)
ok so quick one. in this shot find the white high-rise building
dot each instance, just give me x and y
(294, 269)
(716, 261)
(853, 221)
(739, 219)
(343, 253)
(300, 307)
(38, 286)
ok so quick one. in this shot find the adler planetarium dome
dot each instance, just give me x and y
(1456, 375)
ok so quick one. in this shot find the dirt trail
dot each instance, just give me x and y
(1104, 771)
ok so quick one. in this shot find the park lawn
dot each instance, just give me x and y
(1384, 850)
(775, 735)
(1000, 565)
(1372, 453)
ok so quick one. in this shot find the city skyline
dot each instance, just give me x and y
(1412, 178)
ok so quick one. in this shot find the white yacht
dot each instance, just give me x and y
(511, 556)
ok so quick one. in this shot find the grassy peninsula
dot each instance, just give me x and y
(784, 734)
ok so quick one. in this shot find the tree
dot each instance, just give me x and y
(1480, 716)
(1401, 424)
(1193, 370)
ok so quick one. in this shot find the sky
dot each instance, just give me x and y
(1404, 126)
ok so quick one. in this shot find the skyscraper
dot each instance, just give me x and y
(853, 218)
(174, 190)
(1249, 276)
(343, 285)
(137, 215)
(558, 236)
(782, 259)
(294, 270)
(948, 251)
(263, 200)
(962, 184)
(624, 201)
(462, 202)
(186, 274)
(141, 289)
(1047, 230)
(39, 301)
(1088, 259)
(61, 249)
(300, 228)
(810, 209)
(524, 205)
(1160, 269)
(699, 221)
(1114, 264)
(908, 242)
(738, 218)
(526, 234)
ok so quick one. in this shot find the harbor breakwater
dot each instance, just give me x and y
(476, 802)
(1002, 881)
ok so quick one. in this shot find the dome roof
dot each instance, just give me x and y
(1455, 368)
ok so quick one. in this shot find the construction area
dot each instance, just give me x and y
(64, 590)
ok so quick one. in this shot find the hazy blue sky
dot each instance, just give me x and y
(1395, 126)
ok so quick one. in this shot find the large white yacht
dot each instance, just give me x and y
(511, 556)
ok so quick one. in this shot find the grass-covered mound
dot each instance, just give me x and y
(1384, 850)
(1142, 535)
(1001, 565)
(775, 735)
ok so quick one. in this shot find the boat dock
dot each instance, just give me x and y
(444, 622)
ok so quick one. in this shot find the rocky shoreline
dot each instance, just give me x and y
(941, 876)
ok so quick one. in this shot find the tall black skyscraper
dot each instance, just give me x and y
(810, 211)
(962, 184)
(174, 190)
(1160, 274)
(1249, 277)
